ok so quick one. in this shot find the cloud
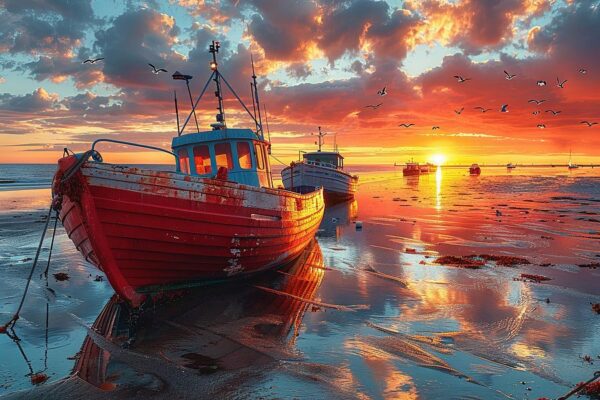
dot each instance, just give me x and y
(43, 26)
(299, 70)
(475, 25)
(39, 100)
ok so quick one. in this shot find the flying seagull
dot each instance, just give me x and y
(541, 83)
(509, 76)
(504, 108)
(555, 113)
(458, 112)
(589, 124)
(382, 92)
(560, 84)
(155, 70)
(406, 125)
(433, 128)
(536, 112)
(582, 71)
(482, 109)
(460, 79)
(374, 106)
(541, 126)
(537, 102)
(92, 60)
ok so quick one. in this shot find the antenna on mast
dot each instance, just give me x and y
(214, 49)
(321, 140)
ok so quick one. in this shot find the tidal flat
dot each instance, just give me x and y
(439, 295)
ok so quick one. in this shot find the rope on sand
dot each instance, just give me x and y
(4, 328)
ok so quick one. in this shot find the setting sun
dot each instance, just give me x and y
(438, 159)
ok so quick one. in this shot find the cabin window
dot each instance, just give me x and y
(184, 161)
(202, 160)
(223, 155)
(260, 156)
(244, 156)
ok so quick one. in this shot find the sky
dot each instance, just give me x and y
(319, 63)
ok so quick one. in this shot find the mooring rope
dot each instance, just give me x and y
(277, 159)
(15, 317)
(580, 387)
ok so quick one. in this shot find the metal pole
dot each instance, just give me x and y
(214, 49)
(197, 101)
(187, 82)
(177, 112)
(256, 95)
(253, 105)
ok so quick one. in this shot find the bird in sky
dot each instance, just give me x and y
(582, 71)
(537, 102)
(555, 113)
(482, 109)
(541, 83)
(382, 92)
(458, 112)
(155, 70)
(560, 84)
(433, 128)
(504, 108)
(536, 112)
(406, 125)
(541, 126)
(92, 60)
(588, 123)
(374, 106)
(460, 79)
(509, 76)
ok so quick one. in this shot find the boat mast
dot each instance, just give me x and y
(214, 49)
(321, 140)
(260, 128)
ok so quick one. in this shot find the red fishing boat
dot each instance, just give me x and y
(474, 169)
(218, 216)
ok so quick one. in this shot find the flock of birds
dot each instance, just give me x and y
(504, 107)
(155, 70)
(460, 79)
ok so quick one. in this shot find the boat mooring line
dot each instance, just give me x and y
(15, 317)
(580, 387)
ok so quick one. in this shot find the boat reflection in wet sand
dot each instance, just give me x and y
(337, 216)
(219, 340)
(216, 218)
(321, 169)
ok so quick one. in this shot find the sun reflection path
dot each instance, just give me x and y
(438, 189)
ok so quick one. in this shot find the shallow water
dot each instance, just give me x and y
(362, 314)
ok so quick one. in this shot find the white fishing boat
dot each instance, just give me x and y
(321, 169)
(510, 166)
(571, 165)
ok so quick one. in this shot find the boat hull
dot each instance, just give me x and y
(303, 178)
(150, 231)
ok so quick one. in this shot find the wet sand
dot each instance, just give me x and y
(362, 314)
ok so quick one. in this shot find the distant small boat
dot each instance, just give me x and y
(510, 166)
(411, 169)
(571, 165)
(321, 169)
(474, 169)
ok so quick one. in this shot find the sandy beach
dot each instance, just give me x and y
(442, 287)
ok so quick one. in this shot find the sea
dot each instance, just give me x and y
(440, 286)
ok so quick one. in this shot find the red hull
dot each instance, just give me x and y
(149, 231)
